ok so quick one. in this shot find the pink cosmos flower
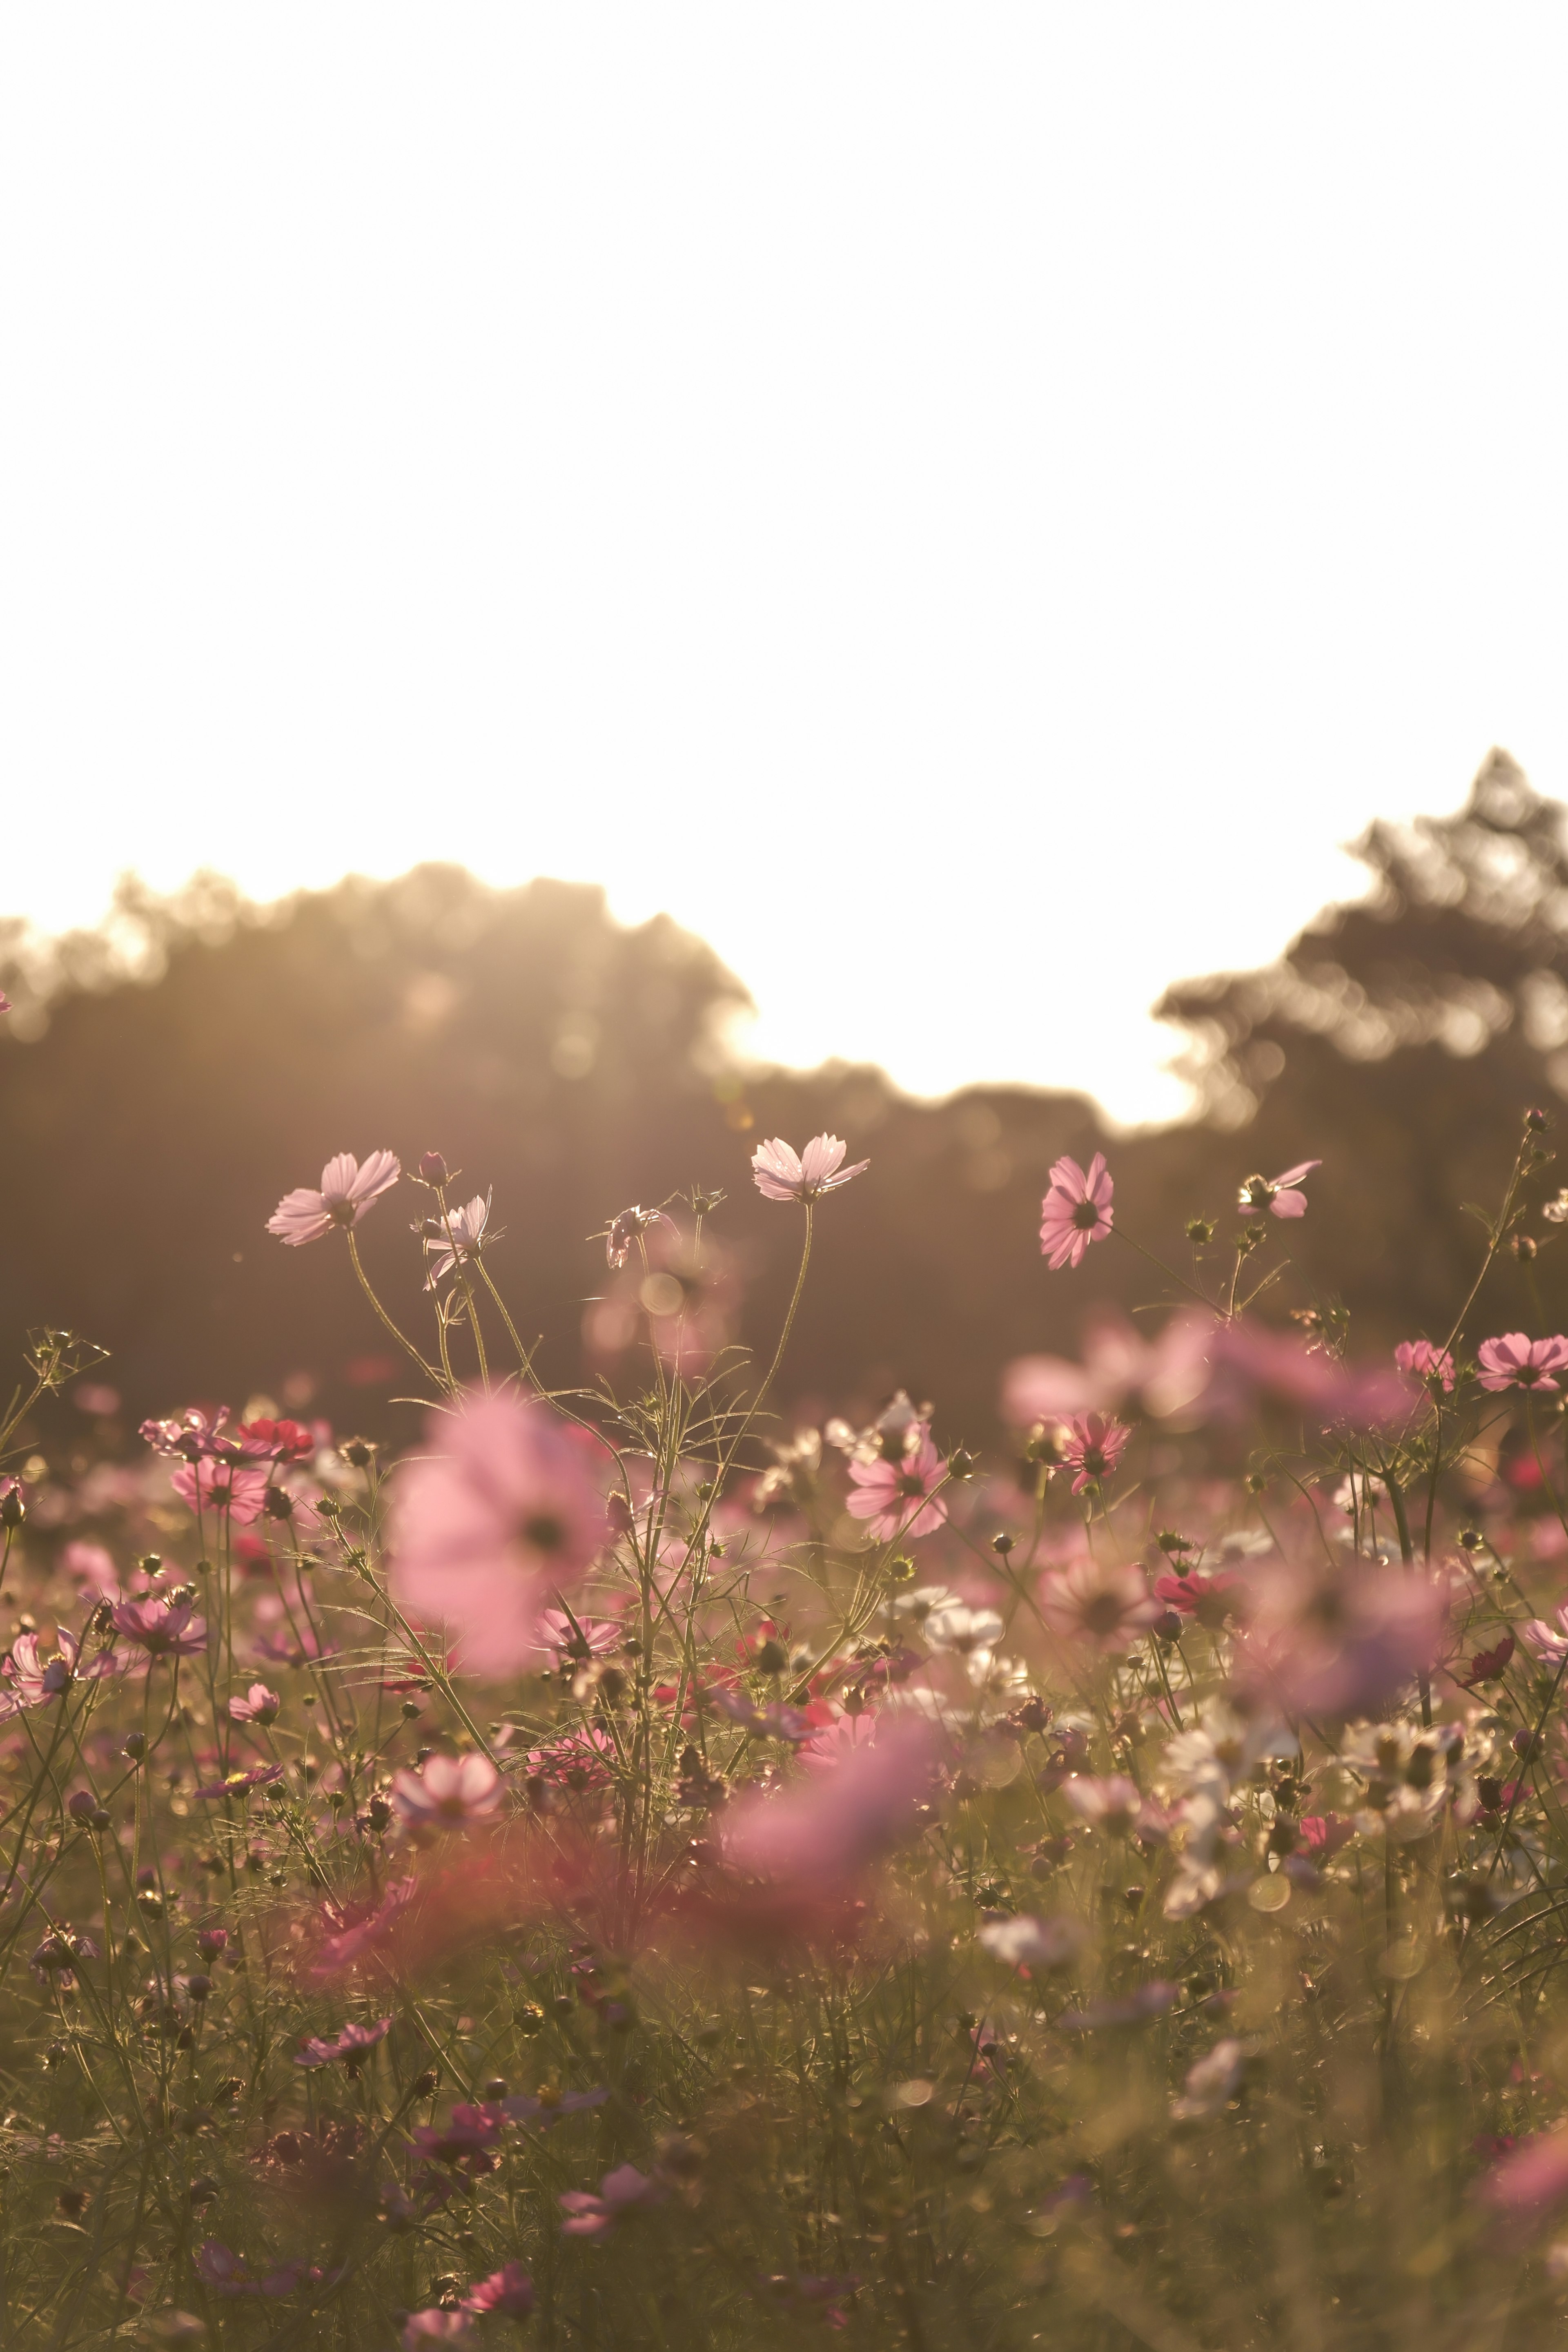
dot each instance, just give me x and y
(455, 1238)
(621, 2192)
(238, 1488)
(1107, 1607)
(1542, 1642)
(29, 1679)
(1276, 1194)
(1514, 1361)
(781, 1173)
(164, 1629)
(1422, 1361)
(347, 1192)
(592, 1637)
(491, 1525)
(449, 1793)
(1531, 2179)
(1213, 1600)
(351, 2044)
(818, 1833)
(580, 1760)
(509, 2291)
(259, 1705)
(1076, 1210)
(832, 1743)
(1094, 1446)
(899, 1498)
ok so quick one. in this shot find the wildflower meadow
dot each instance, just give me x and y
(648, 1867)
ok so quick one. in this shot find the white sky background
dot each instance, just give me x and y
(964, 507)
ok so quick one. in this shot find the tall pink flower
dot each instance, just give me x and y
(899, 1498)
(1422, 1361)
(353, 2045)
(451, 1792)
(238, 1488)
(491, 1525)
(1076, 1210)
(1515, 1362)
(164, 1629)
(1278, 1195)
(346, 1190)
(1094, 1445)
(781, 1173)
(816, 1834)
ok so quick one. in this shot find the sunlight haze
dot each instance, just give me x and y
(966, 509)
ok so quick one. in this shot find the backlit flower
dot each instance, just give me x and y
(1093, 1447)
(1422, 1361)
(259, 1705)
(346, 1190)
(1105, 1606)
(1548, 1644)
(456, 1237)
(164, 1629)
(781, 1173)
(28, 1678)
(899, 1497)
(1514, 1361)
(238, 1488)
(1076, 1210)
(449, 1793)
(1276, 1194)
(491, 1525)
(1026, 1942)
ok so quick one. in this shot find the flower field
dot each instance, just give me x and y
(647, 1868)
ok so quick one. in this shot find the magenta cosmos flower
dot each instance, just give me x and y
(164, 1629)
(1094, 1445)
(450, 1793)
(782, 1173)
(1276, 1194)
(1422, 1361)
(30, 1679)
(491, 1525)
(346, 1190)
(1515, 1362)
(1076, 1210)
(899, 1498)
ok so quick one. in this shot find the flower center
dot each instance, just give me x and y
(1104, 1613)
(1086, 1216)
(544, 1532)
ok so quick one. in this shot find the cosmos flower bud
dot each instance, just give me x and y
(1537, 1121)
(432, 1167)
(13, 1507)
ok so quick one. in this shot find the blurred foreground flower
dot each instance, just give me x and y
(491, 1525)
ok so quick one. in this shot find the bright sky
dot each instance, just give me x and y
(964, 507)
